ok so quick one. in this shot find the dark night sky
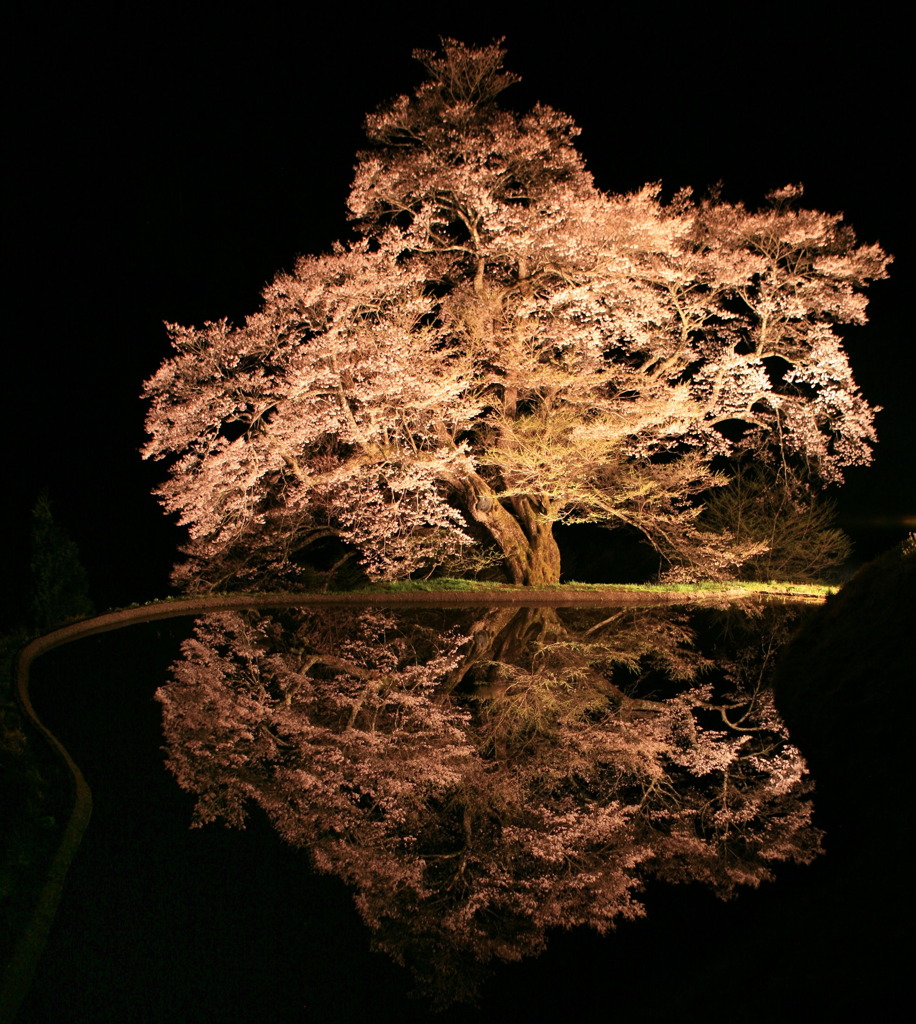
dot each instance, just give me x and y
(166, 162)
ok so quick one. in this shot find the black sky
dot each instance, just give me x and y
(167, 161)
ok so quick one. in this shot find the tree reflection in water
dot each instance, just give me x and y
(481, 776)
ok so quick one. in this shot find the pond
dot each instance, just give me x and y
(530, 808)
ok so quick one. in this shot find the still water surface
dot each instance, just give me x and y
(486, 782)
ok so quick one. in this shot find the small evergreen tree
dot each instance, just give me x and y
(59, 584)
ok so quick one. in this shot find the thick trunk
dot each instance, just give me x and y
(529, 550)
(537, 563)
(523, 533)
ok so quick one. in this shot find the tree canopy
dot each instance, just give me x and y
(505, 347)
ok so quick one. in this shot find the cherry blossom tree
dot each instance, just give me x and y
(481, 779)
(504, 348)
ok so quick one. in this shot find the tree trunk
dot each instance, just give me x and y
(530, 553)
(540, 561)
(523, 532)
(535, 561)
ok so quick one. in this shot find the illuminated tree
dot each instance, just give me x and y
(505, 348)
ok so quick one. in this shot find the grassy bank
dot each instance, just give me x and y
(475, 586)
